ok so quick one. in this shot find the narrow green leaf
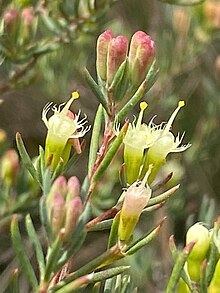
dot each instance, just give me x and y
(52, 257)
(94, 145)
(113, 237)
(118, 76)
(143, 241)
(110, 153)
(213, 254)
(89, 267)
(44, 216)
(36, 243)
(104, 225)
(132, 102)
(13, 286)
(91, 278)
(58, 170)
(25, 157)
(95, 89)
(20, 252)
(162, 197)
(178, 267)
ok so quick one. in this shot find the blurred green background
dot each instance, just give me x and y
(42, 55)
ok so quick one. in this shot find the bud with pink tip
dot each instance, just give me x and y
(102, 52)
(73, 211)
(27, 16)
(57, 214)
(117, 52)
(73, 188)
(11, 16)
(141, 55)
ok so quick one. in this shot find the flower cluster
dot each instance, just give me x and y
(64, 206)
(112, 52)
(158, 139)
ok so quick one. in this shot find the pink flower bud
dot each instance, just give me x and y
(11, 16)
(73, 211)
(117, 52)
(58, 186)
(27, 16)
(141, 55)
(102, 52)
(73, 188)
(9, 167)
(57, 213)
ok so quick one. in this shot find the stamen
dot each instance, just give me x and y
(173, 116)
(143, 106)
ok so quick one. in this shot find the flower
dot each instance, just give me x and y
(137, 139)
(165, 144)
(62, 126)
(135, 199)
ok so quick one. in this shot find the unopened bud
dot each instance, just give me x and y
(117, 52)
(141, 55)
(73, 188)
(200, 235)
(102, 52)
(57, 213)
(212, 12)
(136, 198)
(9, 167)
(73, 211)
(58, 186)
(27, 16)
(11, 16)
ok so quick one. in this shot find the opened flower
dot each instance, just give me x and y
(165, 144)
(62, 126)
(137, 139)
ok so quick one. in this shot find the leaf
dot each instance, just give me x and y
(110, 153)
(94, 145)
(25, 158)
(144, 241)
(178, 267)
(95, 89)
(20, 252)
(113, 237)
(36, 243)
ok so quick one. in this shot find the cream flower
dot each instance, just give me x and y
(62, 126)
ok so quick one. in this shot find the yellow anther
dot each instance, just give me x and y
(75, 95)
(181, 104)
(143, 106)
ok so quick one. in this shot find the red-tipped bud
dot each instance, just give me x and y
(117, 52)
(141, 55)
(73, 211)
(27, 16)
(59, 186)
(11, 16)
(57, 213)
(9, 167)
(73, 188)
(102, 52)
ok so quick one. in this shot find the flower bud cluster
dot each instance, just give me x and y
(20, 28)
(64, 206)
(150, 144)
(112, 52)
